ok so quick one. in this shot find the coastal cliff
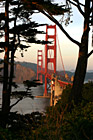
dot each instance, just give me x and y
(22, 73)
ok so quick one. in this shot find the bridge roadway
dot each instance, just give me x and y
(62, 83)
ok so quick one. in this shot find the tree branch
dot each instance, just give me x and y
(16, 102)
(77, 5)
(61, 28)
(79, 8)
(90, 54)
(72, 3)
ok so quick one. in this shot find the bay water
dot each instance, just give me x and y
(28, 105)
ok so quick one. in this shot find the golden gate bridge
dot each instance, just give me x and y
(50, 58)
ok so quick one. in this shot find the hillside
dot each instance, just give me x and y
(33, 66)
(27, 71)
(23, 73)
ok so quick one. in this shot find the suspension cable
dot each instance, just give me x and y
(61, 56)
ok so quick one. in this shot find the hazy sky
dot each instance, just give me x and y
(68, 49)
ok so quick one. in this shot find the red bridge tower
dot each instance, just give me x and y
(39, 65)
(48, 59)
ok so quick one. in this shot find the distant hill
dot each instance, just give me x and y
(89, 75)
(33, 66)
(27, 71)
(23, 73)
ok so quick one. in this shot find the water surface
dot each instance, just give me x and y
(29, 105)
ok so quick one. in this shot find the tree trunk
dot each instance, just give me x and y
(79, 76)
(5, 95)
(13, 49)
(82, 60)
(11, 75)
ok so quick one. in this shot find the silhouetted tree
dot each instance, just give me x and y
(86, 10)
(23, 31)
(5, 95)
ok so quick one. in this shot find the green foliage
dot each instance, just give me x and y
(46, 5)
(65, 121)
(68, 125)
(65, 98)
(87, 92)
(21, 127)
(78, 123)
(5, 134)
(28, 84)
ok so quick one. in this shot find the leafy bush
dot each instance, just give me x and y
(87, 91)
(21, 127)
(65, 121)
